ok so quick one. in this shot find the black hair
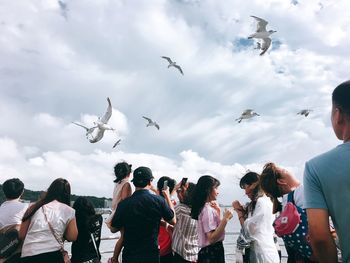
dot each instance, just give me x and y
(248, 179)
(188, 194)
(121, 170)
(84, 210)
(13, 188)
(204, 187)
(160, 183)
(341, 97)
(58, 190)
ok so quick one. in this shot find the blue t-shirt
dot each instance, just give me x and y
(327, 186)
(140, 216)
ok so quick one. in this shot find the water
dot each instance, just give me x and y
(232, 230)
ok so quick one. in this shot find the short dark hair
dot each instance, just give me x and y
(160, 183)
(248, 179)
(121, 170)
(341, 97)
(13, 188)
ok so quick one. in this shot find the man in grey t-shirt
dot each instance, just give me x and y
(327, 186)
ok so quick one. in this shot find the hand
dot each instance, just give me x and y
(227, 214)
(216, 206)
(166, 192)
(237, 205)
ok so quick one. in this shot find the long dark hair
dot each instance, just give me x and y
(269, 184)
(58, 190)
(121, 170)
(188, 194)
(84, 210)
(248, 179)
(205, 185)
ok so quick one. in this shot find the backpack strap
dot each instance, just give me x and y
(291, 197)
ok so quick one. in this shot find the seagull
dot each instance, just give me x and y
(117, 143)
(247, 114)
(304, 112)
(173, 64)
(262, 34)
(151, 123)
(89, 131)
(100, 125)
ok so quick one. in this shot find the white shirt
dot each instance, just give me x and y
(11, 212)
(259, 229)
(39, 238)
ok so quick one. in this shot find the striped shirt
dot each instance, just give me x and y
(185, 236)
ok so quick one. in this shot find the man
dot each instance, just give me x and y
(12, 210)
(327, 185)
(140, 216)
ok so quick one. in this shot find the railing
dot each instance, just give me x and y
(228, 252)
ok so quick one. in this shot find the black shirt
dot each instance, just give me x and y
(83, 248)
(140, 216)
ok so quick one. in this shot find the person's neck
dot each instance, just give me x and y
(142, 188)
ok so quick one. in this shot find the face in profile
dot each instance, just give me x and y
(214, 193)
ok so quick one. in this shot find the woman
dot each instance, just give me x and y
(278, 182)
(256, 221)
(165, 229)
(210, 225)
(47, 223)
(86, 248)
(122, 190)
(185, 236)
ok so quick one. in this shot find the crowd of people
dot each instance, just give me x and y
(156, 227)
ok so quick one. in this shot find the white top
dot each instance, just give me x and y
(39, 238)
(258, 228)
(11, 212)
(298, 197)
(117, 192)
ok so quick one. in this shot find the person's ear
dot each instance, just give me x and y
(281, 181)
(338, 116)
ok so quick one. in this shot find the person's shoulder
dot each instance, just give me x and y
(328, 155)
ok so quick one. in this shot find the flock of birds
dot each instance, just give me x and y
(262, 37)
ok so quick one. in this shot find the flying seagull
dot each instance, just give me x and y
(151, 123)
(173, 64)
(89, 131)
(262, 34)
(117, 143)
(304, 112)
(64, 8)
(247, 114)
(100, 125)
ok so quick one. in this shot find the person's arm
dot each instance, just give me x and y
(171, 206)
(24, 229)
(126, 191)
(71, 233)
(213, 236)
(321, 238)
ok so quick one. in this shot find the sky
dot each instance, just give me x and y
(60, 60)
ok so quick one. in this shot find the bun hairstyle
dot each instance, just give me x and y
(121, 170)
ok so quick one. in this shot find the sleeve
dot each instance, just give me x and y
(313, 193)
(167, 213)
(117, 220)
(208, 219)
(258, 219)
(69, 214)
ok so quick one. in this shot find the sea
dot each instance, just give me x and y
(232, 230)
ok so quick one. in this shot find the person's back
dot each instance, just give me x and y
(327, 185)
(89, 224)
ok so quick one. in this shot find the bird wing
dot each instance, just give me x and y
(86, 128)
(98, 136)
(157, 126)
(306, 113)
(179, 68)
(266, 42)
(261, 26)
(148, 119)
(167, 58)
(108, 113)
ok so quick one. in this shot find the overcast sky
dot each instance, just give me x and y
(59, 63)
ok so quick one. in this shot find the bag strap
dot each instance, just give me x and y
(95, 246)
(291, 197)
(52, 230)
